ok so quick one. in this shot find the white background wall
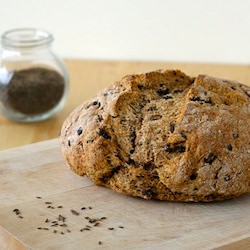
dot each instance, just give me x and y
(170, 30)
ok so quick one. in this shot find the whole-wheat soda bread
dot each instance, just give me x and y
(164, 135)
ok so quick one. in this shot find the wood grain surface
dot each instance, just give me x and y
(87, 77)
(39, 170)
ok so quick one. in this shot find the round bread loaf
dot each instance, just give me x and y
(164, 135)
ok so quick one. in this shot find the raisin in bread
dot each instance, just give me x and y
(164, 135)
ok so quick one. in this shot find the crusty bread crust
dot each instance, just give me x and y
(164, 135)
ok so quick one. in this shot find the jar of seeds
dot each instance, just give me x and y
(34, 82)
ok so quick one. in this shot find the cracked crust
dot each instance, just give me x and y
(164, 135)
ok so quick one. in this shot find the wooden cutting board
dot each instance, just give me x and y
(43, 205)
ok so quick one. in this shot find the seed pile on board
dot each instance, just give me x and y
(58, 224)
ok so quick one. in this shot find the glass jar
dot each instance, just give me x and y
(34, 82)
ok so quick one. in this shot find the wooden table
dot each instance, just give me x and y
(39, 170)
(86, 78)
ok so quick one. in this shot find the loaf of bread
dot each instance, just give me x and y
(164, 135)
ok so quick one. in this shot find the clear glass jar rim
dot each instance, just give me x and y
(26, 38)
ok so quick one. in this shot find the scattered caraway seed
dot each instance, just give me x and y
(74, 212)
(92, 220)
(16, 211)
(63, 225)
(59, 222)
(61, 218)
(38, 197)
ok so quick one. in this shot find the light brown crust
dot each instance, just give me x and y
(164, 135)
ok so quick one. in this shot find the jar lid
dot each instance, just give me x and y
(26, 38)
